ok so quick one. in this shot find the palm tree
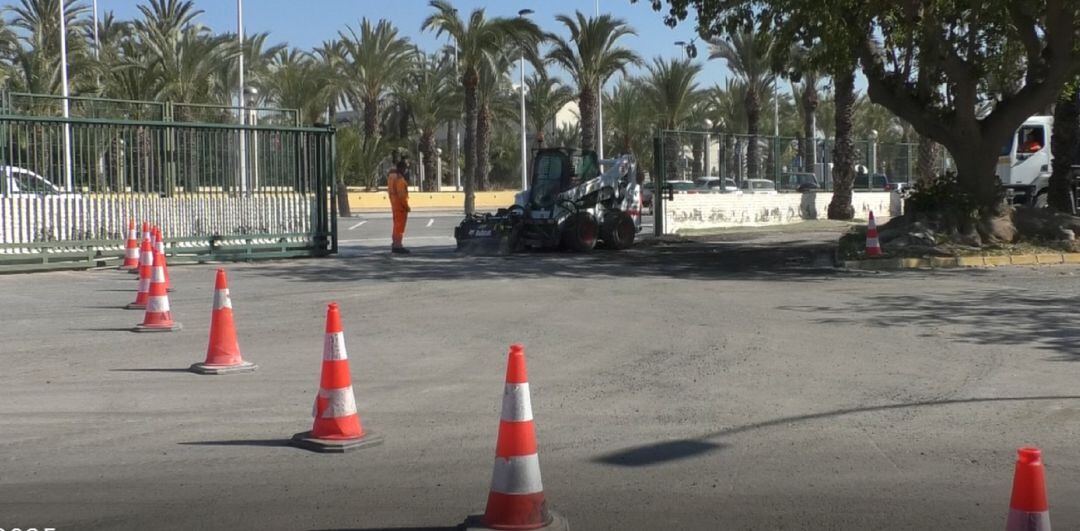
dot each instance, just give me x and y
(377, 58)
(545, 96)
(749, 57)
(806, 92)
(497, 105)
(431, 103)
(591, 56)
(843, 173)
(626, 122)
(37, 51)
(477, 39)
(670, 91)
(296, 80)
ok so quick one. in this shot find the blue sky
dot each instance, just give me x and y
(307, 23)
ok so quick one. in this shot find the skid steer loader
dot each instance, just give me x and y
(569, 204)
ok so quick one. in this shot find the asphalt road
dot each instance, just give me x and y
(681, 386)
(366, 233)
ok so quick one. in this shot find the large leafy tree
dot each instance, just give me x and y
(749, 55)
(592, 55)
(963, 75)
(478, 40)
(376, 58)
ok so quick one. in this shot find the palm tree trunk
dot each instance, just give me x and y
(342, 188)
(587, 108)
(929, 158)
(696, 151)
(451, 144)
(470, 80)
(753, 119)
(844, 151)
(483, 146)
(1064, 143)
(809, 103)
(427, 148)
(371, 118)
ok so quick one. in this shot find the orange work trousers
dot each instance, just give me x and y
(400, 217)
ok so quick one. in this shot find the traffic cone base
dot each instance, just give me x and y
(202, 368)
(171, 327)
(555, 522)
(307, 441)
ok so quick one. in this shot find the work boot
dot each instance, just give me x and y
(400, 250)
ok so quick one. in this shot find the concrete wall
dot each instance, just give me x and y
(105, 217)
(431, 200)
(709, 211)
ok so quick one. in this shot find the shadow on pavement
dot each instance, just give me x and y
(983, 317)
(803, 260)
(271, 443)
(661, 452)
(152, 370)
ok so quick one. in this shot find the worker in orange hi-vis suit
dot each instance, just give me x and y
(397, 187)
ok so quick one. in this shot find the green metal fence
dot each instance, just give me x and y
(68, 187)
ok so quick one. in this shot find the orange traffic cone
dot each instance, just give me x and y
(158, 317)
(145, 234)
(223, 353)
(873, 248)
(159, 248)
(1028, 510)
(516, 499)
(146, 271)
(131, 248)
(337, 425)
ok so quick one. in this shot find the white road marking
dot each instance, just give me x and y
(430, 222)
(357, 225)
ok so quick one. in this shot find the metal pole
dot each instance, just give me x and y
(776, 108)
(524, 141)
(599, 106)
(457, 131)
(438, 170)
(69, 182)
(97, 43)
(240, 95)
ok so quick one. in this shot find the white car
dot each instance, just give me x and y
(713, 184)
(759, 186)
(23, 182)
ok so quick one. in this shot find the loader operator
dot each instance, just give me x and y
(397, 187)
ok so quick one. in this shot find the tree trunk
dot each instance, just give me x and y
(427, 149)
(809, 104)
(483, 147)
(1064, 144)
(452, 146)
(753, 119)
(371, 118)
(587, 109)
(343, 189)
(469, 80)
(929, 160)
(540, 139)
(843, 172)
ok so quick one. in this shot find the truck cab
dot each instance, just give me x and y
(1024, 162)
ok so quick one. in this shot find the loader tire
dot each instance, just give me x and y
(618, 231)
(580, 232)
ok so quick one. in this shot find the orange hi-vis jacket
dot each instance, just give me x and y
(398, 190)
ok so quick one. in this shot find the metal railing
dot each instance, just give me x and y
(70, 186)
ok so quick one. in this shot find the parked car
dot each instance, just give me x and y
(758, 186)
(21, 181)
(877, 181)
(681, 187)
(799, 182)
(716, 184)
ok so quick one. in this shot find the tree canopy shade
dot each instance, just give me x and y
(965, 74)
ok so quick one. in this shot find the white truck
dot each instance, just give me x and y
(1024, 164)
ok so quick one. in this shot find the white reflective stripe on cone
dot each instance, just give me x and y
(1025, 521)
(133, 234)
(516, 404)
(131, 252)
(144, 285)
(221, 299)
(146, 259)
(872, 242)
(159, 275)
(157, 305)
(340, 402)
(160, 246)
(334, 347)
(517, 475)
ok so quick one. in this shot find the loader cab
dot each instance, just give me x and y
(556, 170)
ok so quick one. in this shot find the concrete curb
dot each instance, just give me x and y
(954, 262)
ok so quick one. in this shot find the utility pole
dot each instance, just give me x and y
(240, 95)
(524, 142)
(69, 182)
(599, 105)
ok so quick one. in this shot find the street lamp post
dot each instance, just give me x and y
(524, 142)
(69, 183)
(599, 105)
(252, 95)
(240, 95)
(438, 169)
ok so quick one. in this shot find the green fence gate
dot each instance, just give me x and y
(219, 191)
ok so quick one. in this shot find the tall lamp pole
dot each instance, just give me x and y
(69, 183)
(524, 142)
(240, 95)
(599, 105)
